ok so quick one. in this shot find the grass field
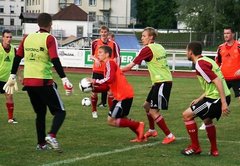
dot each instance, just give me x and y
(87, 141)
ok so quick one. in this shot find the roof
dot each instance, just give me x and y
(71, 12)
(29, 15)
(127, 41)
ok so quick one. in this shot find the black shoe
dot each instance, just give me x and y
(102, 105)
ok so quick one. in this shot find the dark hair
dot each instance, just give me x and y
(151, 32)
(231, 28)
(195, 47)
(44, 20)
(111, 34)
(103, 27)
(106, 49)
(5, 31)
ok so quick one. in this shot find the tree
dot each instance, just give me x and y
(209, 15)
(157, 13)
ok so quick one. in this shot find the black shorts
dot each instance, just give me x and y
(209, 108)
(120, 109)
(235, 84)
(159, 95)
(97, 75)
(1, 87)
(45, 96)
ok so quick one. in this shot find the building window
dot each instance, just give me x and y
(78, 2)
(22, 9)
(1, 21)
(92, 16)
(92, 2)
(79, 31)
(1, 9)
(11, 9)
(12, 21)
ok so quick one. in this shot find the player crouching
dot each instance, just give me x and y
(122, 92)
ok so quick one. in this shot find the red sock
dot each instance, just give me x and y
(125, 122)
(161, 123)
(192, 130)
(94, 99)
(52, 135)
(211, 133)
(10, 108)
(110, 101)
(150, 121)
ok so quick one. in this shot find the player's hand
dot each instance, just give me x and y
(225, 109)
(67, 86)
(11, 84)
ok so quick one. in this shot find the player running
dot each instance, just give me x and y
(123, 97)
(158, 98)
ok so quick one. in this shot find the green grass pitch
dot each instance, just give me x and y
(87, 141)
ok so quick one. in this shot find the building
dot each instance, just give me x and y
(40, 6)
(113, 13)
(10, 11)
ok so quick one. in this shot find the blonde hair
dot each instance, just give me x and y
(151, 31)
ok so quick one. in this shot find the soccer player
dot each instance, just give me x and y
(7, 53)
(123, 97)
(158, 98)
(211, 104)
(111, 36)
(98, 67)
(39, 50)
(228, 58)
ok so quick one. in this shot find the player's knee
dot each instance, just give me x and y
(146, 106)
(111, 121)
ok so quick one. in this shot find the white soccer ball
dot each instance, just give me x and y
(86, 101)
(85, 85)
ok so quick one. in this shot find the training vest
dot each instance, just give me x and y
(99, 44)
(210, 88)
(230, 60)
(6, 61)
(158, 66)
(37, 63)
(120, 87)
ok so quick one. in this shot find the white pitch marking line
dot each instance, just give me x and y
(67, 161)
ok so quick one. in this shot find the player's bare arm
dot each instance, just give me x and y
(128, 67)
(218, 82)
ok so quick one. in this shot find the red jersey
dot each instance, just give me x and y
(115, 53)
(228, 58)
(117, 82)
(51, 44)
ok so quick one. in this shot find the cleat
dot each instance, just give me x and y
(152, 133)
(53, 143)
(94, 114)
(12, 121)
(139, 131)
(136, 140)
(190, 151)
(202, 127)
(101, 105)
(213, 153)
(43, 147)
(168, 140)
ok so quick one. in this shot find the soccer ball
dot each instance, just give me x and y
(86, 101)
(85, 85)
